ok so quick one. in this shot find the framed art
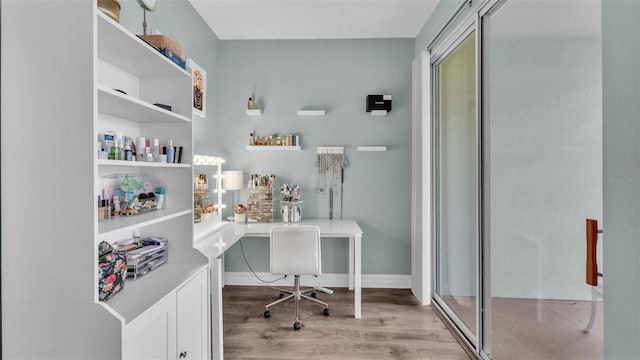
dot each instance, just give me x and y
(199, 88)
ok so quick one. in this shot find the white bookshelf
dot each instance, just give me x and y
(73, 103)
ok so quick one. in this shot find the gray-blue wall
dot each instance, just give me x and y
(291, 74)
(335, 75)
(179, 21)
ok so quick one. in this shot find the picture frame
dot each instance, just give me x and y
(199, 88)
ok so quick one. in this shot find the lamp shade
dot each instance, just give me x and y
(232, 180)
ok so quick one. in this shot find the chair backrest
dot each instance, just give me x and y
(295, 250)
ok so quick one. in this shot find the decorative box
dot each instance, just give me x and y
(162, 43)
(112, 270)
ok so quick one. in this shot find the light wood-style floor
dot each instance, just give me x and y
(529, 329)
(393, 326)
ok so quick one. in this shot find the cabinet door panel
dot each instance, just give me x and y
(192, 319)
(153, 334)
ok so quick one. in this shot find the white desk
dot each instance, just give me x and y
(213, 241)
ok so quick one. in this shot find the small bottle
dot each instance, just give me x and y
(128, 154)
(171, 152)
(252, 140)
(116, 152)
(155, 149)
(250, 104)
(140, 145)
(148, 156)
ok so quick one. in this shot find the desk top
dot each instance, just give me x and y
(328, 228)
(220, 238)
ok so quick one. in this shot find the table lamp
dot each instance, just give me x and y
(232, 180)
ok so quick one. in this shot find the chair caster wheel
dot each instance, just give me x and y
(267, 314)
(281, 295)
(325, 312)
(296, 326)
(314, 295)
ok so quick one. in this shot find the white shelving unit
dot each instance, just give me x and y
(75, 102)
(55, 252)
(126, 62)
(272, 148)
(309, 112)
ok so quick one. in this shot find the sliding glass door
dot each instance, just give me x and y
(456, 181)
(542, 116)
(518, 169)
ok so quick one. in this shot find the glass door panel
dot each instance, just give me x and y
(542, 146)
(456, 181)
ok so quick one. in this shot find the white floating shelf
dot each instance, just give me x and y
(330, 150)
(304, 112)
(372, 148)
(270, 148)
(378, 112)
(254, 112)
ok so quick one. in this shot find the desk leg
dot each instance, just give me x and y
(358, 276)
(217, 272)
(351, 260)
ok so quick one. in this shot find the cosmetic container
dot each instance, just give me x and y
(155, 149)
(171, 152)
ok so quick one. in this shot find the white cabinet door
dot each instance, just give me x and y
(153, 334)
(192, 318)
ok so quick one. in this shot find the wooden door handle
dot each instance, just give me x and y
(592, 260)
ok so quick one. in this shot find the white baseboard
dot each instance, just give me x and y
(327, 280)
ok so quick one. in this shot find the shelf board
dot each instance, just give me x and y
(139, 295)
(254, 112)
(378, 112)
(308, 112)
(103, 162)
(121, 105)
(372, 148)
(119, 47)
(123, 223)
(272, 148)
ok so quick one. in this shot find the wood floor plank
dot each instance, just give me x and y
(393, 326)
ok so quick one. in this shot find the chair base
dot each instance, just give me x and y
(298, 295)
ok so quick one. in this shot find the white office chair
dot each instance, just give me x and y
(295, 250)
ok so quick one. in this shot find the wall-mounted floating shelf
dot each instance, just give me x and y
(378, 112)
(372, 148)
(269, 148)
(308, 112)
(330, 150)
(254, 112)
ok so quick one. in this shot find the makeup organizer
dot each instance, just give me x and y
(290, 203)
(260, 198)
(126, 195)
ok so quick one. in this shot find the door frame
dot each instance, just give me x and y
(439, 54)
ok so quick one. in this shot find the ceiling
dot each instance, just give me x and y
(314, 19)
